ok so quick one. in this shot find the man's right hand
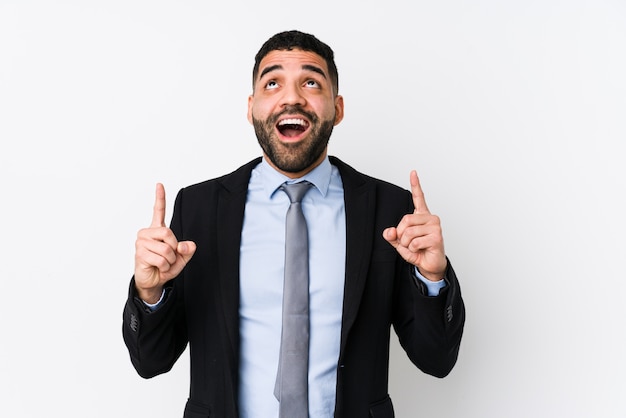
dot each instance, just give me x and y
(159, 257)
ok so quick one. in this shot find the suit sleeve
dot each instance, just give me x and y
(430, 328)
(156, 339)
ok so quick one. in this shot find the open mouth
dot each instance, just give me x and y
(292, 127)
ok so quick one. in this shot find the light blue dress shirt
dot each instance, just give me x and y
(261, 268)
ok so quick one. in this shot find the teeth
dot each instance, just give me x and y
(292, 122)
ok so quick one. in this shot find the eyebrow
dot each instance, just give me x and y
(314, 69)
(307, 67)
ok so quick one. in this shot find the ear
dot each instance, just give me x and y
(250, 103)
(338, 109)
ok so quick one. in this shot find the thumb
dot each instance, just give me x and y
(186, 249)
(391, 235)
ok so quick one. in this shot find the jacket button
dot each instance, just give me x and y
(134, 322)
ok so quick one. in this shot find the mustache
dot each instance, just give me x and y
(293, 110)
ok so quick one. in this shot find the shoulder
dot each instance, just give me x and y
(354, 179)
(233, 182)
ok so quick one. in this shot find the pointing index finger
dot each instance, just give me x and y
(158, 213)
(418, 195)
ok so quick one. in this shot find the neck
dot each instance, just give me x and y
(295, 175)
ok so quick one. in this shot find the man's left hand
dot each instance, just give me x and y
(418, 238)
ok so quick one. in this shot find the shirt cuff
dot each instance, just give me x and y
(154, 306)
(433, 288)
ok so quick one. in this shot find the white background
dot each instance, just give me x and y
(513, 113)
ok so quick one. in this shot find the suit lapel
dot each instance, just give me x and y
(230, 210)
(359, 197)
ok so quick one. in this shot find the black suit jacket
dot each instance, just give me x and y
(202, 303)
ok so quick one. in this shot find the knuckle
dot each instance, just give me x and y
(162, 264)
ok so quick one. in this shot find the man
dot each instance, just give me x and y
(215, 279)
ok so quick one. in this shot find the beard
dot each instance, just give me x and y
(293, 157)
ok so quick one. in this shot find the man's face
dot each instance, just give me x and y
(293, 110)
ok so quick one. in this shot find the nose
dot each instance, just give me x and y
(293, 95)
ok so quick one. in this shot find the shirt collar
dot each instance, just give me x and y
(272, 179)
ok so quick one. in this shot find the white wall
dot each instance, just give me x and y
(513, 112)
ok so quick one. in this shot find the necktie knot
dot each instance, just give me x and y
(296, 191)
